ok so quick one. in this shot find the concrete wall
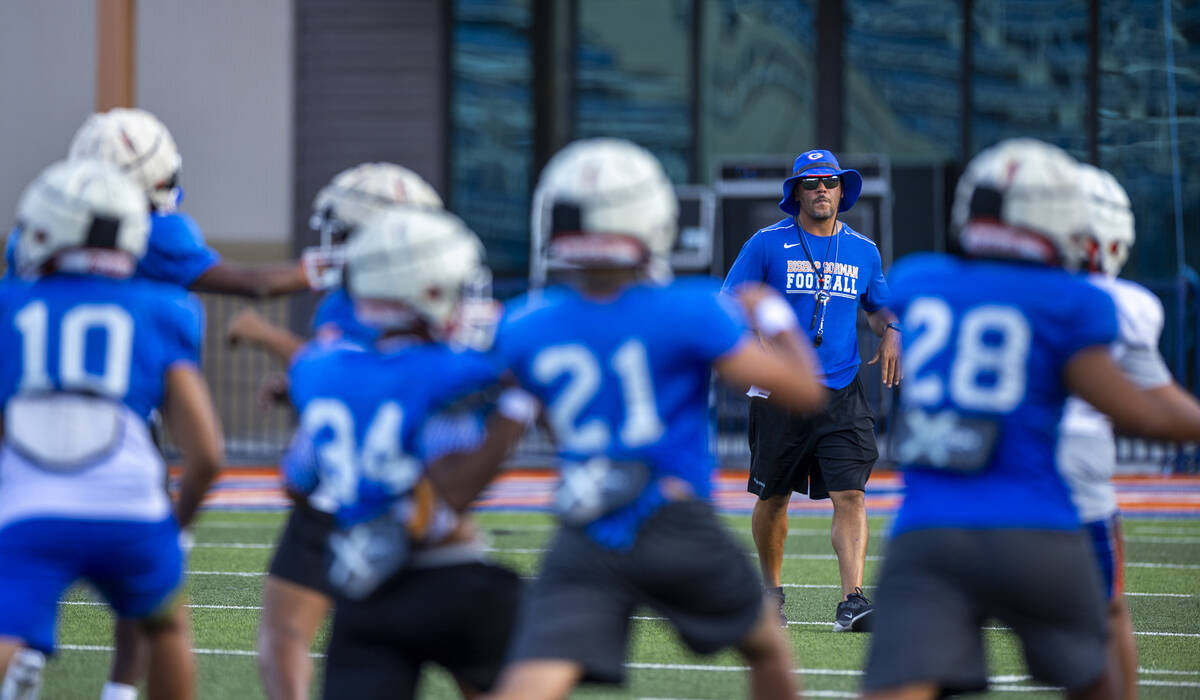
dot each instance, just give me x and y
(219, 74)
(47, 87)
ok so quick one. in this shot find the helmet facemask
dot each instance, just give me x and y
(602, 205)
(348, 202)
(1021, 200)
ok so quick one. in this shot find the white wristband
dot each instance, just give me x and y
(518, 405)
(773, 315)
(187, 540)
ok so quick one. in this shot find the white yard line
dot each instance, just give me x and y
(686, 667)
(235, 525)
(1165, 672)
(194, 606)
(1163, 540)
(816, 623)
(247, 574)
(1151, 530)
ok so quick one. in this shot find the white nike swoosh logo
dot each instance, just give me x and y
(790, 245)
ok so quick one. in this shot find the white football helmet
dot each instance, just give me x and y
(1110, 216)
(352, 198)
(1022, 199)
(601, 203)
(87, 215)
(138, 143)
(422, 258)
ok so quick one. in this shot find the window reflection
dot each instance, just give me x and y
(1030, 72)
(757, 85)
(902, 79)
(633, 76)
(492, 136)
(1135, 138)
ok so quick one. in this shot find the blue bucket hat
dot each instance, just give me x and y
(816, 163)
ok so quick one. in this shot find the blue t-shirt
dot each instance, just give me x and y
(985, 346)
(175, 252)
(90, 334)
(336, 311)
(776, 256)
(364, 414)
(626, 379)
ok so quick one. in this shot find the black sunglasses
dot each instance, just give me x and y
(832, 182)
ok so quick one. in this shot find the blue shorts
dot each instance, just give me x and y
(1110, 553)
(136, 566)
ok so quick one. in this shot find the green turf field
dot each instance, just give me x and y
(1163, 578)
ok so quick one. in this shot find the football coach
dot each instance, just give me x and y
(826, 270)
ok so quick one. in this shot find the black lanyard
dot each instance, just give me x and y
(822, 296)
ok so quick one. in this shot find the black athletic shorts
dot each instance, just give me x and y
(938, 588)
(460, 617)
(300, 556)
(833, 450)
(683, 565)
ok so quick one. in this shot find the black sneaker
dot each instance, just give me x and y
(775, 595)
(854, 613)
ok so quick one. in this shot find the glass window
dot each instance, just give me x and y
(757, 85)
(492, 127)
(633, 76)
(1135, 121)
(1030, 63)
(902, 79)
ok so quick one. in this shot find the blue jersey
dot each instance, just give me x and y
(175, 253)
(778, 257)
(336, 313)
(626, 379)
(364, 413)
(985, 346)
(88, 334)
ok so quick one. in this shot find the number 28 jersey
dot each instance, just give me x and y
(985, 347)
(626, 379)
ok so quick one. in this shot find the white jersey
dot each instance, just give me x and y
(127, 481)
(1086, 451)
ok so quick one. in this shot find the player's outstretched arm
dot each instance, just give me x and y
(253, 281)
(248, 326)
(192, 423)
(1164, 413)
(788, 367)
(458, 477)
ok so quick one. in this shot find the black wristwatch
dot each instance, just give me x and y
(894, 326)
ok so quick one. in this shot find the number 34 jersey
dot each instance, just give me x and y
(368, 416)
(84, 365)
(626, 379)
(985, 347)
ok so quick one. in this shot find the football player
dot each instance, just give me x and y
(995, 339)
(81, 481)
(378, 451)
(143, 148)
(622, 363)
(342, 207)
(137, 142)
(296, 595)
(1086, 449)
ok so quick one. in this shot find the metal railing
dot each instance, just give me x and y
(258, 434)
